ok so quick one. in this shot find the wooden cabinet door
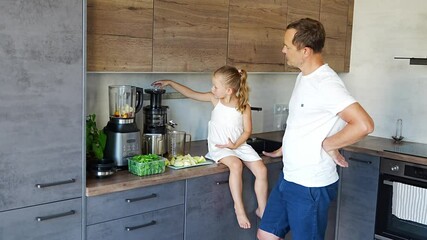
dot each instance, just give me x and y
(298, 9)
(190, 35)
(357, 197)
(210, 208)
(337, 18)
(255, 39)
(201, 36)
(119, 35)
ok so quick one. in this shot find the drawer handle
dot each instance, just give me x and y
(129, 200)
(39, 219)
(43, 185)
(222, 182)
(140, 226)
(360, 160)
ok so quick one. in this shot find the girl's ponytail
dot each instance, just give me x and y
(242, 93)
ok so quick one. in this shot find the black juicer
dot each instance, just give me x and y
(155, 120)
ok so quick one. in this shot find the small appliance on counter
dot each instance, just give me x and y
(102, 169)
(178, 143)
(154, 138)
(123, 136)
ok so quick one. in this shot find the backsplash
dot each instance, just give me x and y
(193, 116)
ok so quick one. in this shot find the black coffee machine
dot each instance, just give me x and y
(155, 124)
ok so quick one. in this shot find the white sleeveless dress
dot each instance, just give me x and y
(227, 122)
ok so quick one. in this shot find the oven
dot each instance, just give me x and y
(402, 201)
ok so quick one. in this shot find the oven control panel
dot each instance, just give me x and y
(404, 169)
(416, 172)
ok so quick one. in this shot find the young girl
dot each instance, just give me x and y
(229, 128)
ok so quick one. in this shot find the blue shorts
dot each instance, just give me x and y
(303, 210)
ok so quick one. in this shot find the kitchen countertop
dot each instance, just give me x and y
(123, 180)
(376, 145)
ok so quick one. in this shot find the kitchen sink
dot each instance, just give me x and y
(260, 144)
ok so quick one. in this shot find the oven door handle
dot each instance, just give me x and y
(379, 237)
(389, 179)
(388, 182)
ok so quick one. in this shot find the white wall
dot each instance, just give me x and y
(388, 89)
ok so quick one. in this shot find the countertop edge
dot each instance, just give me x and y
(129, 181)
(123, 180)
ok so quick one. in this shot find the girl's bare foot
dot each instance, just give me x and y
(243, 220)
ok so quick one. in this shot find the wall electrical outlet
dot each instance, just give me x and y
(280, 116)
(280, 108)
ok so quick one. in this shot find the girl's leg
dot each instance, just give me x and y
(235, 181)
(261, 184)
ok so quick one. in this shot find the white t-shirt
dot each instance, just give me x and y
(315, 102)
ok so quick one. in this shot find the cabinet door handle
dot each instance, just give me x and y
(44, 185)
(360, 160)
(44, 218)
(140, 226)
(221, 182)
(129, 200)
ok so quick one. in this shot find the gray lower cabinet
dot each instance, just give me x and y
(41, 146)
(53, 221)
(273, 173)
(210, 208)
(164, 224)
(155, 212)
(357, 197)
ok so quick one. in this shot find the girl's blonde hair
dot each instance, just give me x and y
(236, 80)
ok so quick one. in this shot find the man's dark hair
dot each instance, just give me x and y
(309, 33)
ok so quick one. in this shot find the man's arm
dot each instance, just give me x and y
(359, 124)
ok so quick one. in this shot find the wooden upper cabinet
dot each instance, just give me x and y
(203, 35)
(190, 35)
(337, 18)
(255, 39)
(119, 35)
(298, 9)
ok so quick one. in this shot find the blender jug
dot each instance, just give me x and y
(123, 135)
(177, 143)
(125, 101)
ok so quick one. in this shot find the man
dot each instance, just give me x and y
(323, 118)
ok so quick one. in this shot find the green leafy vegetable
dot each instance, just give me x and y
(149, 164)
(145, 158)
(95, 139)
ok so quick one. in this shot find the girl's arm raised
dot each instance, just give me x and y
(186, 91)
